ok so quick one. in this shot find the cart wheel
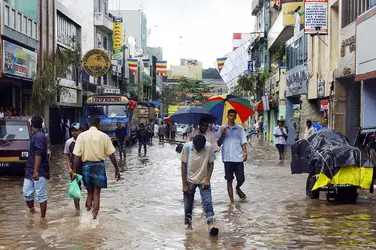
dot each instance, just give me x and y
(314, 195)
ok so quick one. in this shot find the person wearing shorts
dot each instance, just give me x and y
(37, 171)
(91, 149)
(76, 130)
(280, 135)
(121, 135)
(234, 152)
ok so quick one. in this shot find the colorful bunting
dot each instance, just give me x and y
(133, 65)
(192, 62)
(161, 67)
(220, 63)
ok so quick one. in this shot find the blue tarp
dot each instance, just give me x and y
(318, 127)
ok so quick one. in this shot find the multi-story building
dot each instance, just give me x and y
(193, 71)
(69, 100)
(135, 26)
(20, 41)
(96, 28)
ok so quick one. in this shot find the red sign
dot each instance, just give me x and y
(324, 105)
(106, 99)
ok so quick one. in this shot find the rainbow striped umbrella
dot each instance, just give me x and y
(219, 105)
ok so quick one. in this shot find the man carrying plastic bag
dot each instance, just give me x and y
(74, 190)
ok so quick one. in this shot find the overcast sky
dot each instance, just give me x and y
(206, 26)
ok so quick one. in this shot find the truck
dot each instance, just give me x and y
(110, 108)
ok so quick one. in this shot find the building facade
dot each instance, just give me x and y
(19, 45)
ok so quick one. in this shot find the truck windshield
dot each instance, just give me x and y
(116, 110)
(10, 131)
(94, 110)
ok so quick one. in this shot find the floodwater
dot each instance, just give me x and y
(145, 210)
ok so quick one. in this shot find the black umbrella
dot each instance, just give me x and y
(192, 115)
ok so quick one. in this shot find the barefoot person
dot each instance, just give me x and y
(121, 135)
(234, 153)
(76, 129)
(37, 170)
(280, 135)
(92, 147)
(197, 163)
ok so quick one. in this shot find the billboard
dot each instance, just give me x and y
(117, 37)
(18, 61)
(316, 17)
(288, 12)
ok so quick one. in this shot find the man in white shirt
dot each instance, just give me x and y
(204, 130)
(310, 130)
(280, 135)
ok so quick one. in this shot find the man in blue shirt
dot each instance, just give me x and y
(37, 170)
(234, 153)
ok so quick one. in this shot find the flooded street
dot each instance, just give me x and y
(145, 210)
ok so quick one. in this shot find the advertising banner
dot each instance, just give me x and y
(288, 12)
(117, 38)
(18, 61)
(316, 17)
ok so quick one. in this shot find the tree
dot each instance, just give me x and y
(211, 73)
(246, 85)
(46, 82)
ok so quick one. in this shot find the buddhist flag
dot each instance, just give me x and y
(133, 65)
(161, 67)
(192, 62)
(220, 63)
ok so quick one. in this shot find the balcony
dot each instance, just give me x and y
(256, 6)
(103, 21)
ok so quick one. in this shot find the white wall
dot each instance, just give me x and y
(85, 10)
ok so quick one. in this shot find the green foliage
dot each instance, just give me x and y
(246, 85)
(54, 67)
(264, 75)
(279, 53)
(188, 83)
(211, 73)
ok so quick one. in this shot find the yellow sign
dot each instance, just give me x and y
(96, 62)
(288, 11)
(117, 37)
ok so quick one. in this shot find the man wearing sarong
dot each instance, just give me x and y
(92, 147)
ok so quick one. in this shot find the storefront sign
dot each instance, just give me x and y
(324, 105)
(349, 42)
(106, 99)
(288, 12)
(296, 80)
(117, 37)
(346, 65)
(68, 95)
(96, 62)
(320, 88)
(316, 17)
(132, 87)
(296, 109)
(18, 61)
(111, 91)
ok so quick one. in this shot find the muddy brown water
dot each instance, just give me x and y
(145, 210)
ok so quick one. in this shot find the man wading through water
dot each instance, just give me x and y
(234, 153)
(76, 130)
(37, 170)
(197, 163)
(92, 147)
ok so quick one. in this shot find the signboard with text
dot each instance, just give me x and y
(106, 99)
(18, 61)
(117, 37)
(68, 95)
(316, 17)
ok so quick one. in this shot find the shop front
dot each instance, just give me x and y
(18, 68)
(296, 82)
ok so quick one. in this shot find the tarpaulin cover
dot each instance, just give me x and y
(325, 151)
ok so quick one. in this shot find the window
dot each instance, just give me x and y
(14, 131)
(105, 42)
(296, 52)
(24, 25)
(12, 19)
(105, 80)
(35, 27)
(29, 27)
(19, 22)
(99, 40)
(105, 8)
(351, 9)
(6, 15)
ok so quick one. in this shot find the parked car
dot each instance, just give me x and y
(15, 134)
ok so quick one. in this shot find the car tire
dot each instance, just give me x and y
(314, 195)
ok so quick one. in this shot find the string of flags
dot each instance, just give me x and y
(161, 67)
(220, 62)
(133, 65)
(192, 62)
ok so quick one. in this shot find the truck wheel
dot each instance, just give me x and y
(314, 195)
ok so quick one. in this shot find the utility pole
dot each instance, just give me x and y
(123, 87)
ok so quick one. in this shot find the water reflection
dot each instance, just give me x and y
(145, 210)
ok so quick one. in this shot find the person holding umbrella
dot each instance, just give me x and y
(234, 153)
(204, 130)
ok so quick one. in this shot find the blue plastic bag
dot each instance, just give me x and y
(74, 190)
